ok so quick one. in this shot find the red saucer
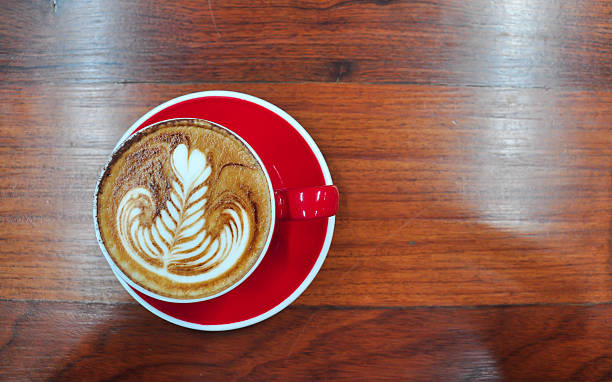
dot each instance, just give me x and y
(298, 248)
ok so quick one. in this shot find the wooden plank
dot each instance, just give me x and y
(449, 196)
(480, 43)
(67, 341)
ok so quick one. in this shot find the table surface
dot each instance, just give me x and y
(471, 142)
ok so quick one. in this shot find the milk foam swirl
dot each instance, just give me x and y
(175, 244)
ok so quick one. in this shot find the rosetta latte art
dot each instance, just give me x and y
(176, 244)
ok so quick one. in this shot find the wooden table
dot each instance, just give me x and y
(471, 142)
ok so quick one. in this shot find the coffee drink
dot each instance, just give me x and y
(184, 209)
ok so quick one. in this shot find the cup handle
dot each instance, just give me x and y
(306, 203)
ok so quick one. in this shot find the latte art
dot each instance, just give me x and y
(176, 244)
(184, 209)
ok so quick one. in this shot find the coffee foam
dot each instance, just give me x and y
(183, 209)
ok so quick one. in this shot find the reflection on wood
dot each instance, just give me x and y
(448, 42)
(68, 341)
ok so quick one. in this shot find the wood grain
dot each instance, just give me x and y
(471, 142)
(67, 341)
(450, 196)
(545, 44)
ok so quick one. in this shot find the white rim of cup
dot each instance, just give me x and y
(330, 221)
(149, 293)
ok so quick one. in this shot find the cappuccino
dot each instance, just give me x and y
(184, 209)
